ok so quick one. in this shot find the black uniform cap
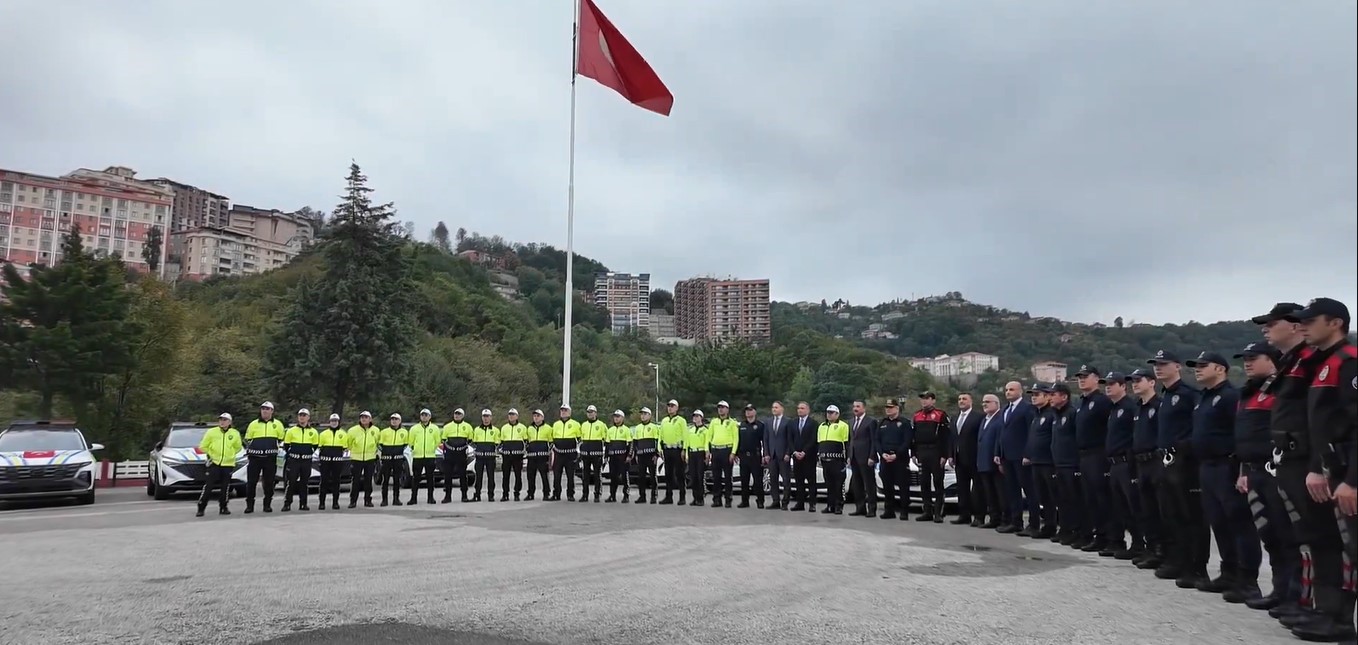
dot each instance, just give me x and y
(1086, 370)
(1207, 358)
(1280, 311)
(1060, 388)
(1163, 356)
(1140, 373)
(1113, 377)
(891, 403)
(927, 395)
(1260, 349)
(1322, 307)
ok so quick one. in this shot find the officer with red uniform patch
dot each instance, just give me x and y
(930, 445)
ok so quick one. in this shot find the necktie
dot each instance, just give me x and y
(1007, 411)
(855, 424)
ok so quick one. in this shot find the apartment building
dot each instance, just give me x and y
(252, 240)
(1049, 371)
(627, 299)
(114, 210)
(710, 309)
(193, 206)
(965, 364)
(662, 325)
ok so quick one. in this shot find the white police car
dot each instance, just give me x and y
(46, 460)
(178, 466)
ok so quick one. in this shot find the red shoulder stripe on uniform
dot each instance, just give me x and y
(1258, 402)
(1350, 351)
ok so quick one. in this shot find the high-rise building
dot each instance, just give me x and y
(114, 210)
(716, 310)
(626, 297)
(193, 206)
(250, 240)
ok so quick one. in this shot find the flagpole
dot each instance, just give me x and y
(570, 221)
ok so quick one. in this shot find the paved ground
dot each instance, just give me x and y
(131, 570)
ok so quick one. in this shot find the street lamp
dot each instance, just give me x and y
(656, 367)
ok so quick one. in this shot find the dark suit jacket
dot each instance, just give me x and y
(863, 442)
(1014, 434)
(806, 440)
(778, 440)
(988, 443)
(967, 432)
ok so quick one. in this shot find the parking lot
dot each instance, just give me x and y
(133, 570)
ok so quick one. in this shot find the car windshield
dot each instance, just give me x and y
(24, 440)
(185, 437)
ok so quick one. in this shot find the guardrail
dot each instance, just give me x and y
(122, 473)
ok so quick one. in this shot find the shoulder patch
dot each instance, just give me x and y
(1152, 413)
(1089, 405)
(1215, 400)
(1120, 411)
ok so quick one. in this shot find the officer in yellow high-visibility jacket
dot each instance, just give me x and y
(299, 443)
(362, 440)
(423, 438)
(697, 439)
(220, 445)
(332, 443)
(593, 433)
(565, 450)
(645, 449)
(672, 431)
(262, 439)
(832, 444)
(618, 444)
(391, 447)
(513, 445)
(539, 451)
(486, 442)
(725, 436)
(457, 436)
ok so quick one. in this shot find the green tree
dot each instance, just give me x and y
(150, 250)
(662, 299)
(350, 333)
(736, 372)
(440, 238)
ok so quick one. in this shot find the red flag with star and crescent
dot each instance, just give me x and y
(604, 55)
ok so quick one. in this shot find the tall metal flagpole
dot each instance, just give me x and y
(570, 221)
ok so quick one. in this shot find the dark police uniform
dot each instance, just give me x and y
(1073, 529)
(751, 457)
(1091, 437)
(893, 439)
(1124, 498)
(1181, 497)
(618, 443)
(930, 443)
(1149, 471)
(1224, 508)
(1039, 452)
(539, 453)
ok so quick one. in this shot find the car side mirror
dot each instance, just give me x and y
(160, 445)
(96, 446)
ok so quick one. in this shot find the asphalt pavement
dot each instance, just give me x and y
(131, 570)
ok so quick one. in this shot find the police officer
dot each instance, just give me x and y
(539, 451)
(299, 445)
(1253, 453)
(1091, 437)
(331, 443)
(486, 443)
(262, 439)
(220, 445)
(362, 440)
(618, 445)
(1181, 499)
(1074, 531)
(1213, 446)
(1124, 497)
(893, 436)
(513, 445)
(423, 438)
(457, 435)
(593, 435)
(832, 447)
(645, 446)
(725, 445)
(672, 431)
(751, 457)
(565, 450)
(391, 444)
(1332, 404)
(697, 439)
(931, 443)
(1149, 470)
(1038, 455)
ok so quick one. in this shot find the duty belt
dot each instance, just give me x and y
(726, 447)
(615, 451)
(564, 447)
(592, 448)
(295, 452)
(674, 447)
(456, 442)
(1090, 452)
(512, 448)
(262, 452)
(827, 456)
(1118, 459)
(644, 446)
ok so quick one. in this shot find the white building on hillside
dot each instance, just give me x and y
(965, 364)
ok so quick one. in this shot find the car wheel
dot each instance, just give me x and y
(151, 484)
(86, 499)
(160, 492)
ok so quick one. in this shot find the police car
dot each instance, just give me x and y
(916, 495)
(178, 466)
(46, 460)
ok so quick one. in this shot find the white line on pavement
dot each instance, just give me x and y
(59, 516)
(49, 509)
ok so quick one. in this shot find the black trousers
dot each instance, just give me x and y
(1094, 493)
(931, 478)
(485, 474)
(721, 474)
(537, 469)
(674, 472)
(563, 462)
(591, 471)
(362, 480)
(863, 484)
(392, 470)
(647, 479)
(454, 471)
(697, 474)
(1044, 485)
(1020, 493)
(296, 479)
(260, 467)
(422, 470)
(1125, 504)
(1150, 476)
(988, 501)
(752, 477)
(1319, 539)
(1070, 511)
(804, 478)
(1228, 514)
(617, 476)
(511, 464)
(1273, 526)
(1181, 508)
(833, 467)
(218, 480)
(967, 491)
(896, 485)
(331, 471)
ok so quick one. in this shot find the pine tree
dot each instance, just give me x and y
(150, 251)
(440, 238)
(349, 334)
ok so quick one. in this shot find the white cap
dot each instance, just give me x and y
(364, 413)
(833, 408)
(224, 415)
(565, 407)
(591, 409)
(459, 411)
(618, 413)
(673, 402)
(513, 411)
(485, 413)
(723, 404)
(266, 404)
(426, 412)
(697, 413)
(538, 412)
(645, 410)
(395, 415)
(304, 411)
(334, 417)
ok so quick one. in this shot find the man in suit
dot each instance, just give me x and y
(969, 502)
(989, 483)
(1019, 493)
(803, 448)
(863, 461)
(778, 457)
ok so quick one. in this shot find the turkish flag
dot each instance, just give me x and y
(605, 56)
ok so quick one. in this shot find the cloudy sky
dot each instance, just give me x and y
(1160, 161)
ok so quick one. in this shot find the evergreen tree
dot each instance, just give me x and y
(64, 328)
(440, 238)
(350, 333)
(150, 251)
